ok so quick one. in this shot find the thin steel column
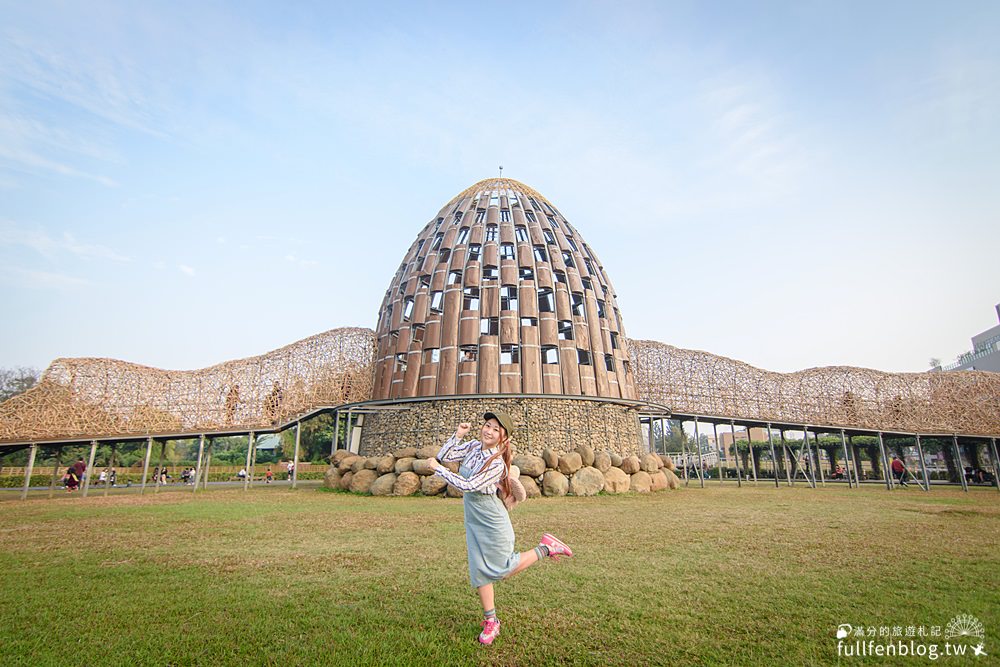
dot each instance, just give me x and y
(208, 464)
(335, 440)
(684, 451)
(107, 482)
(811, 478)
(55, 471)
(145, 465)
(90, 467)
(715, 434)
(855, 460)
(246, 478)
(28, 470)
(785, 458)
(774, 459)
(295, 458)
(753, 464)
(652, 446)
(197, 469)
(886, 472)
(847, 459)
(159, 468)
(736, 454)
(701, 462)
(996, 463)
(819, 462)
(923, 465)
(350, 431)
(958, 463)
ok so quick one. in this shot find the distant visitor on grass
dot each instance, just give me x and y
(489, 489)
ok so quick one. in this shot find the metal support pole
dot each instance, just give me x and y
(145, 465)
(847, 459)
(111, 466)
(701, 462)
(350, 431)
(684, 451)
(197, 469)
(785, 458)
(923, 465)
(996, 463)
(819, 462)
(55, 471)
(27, 473)
(652, 446)
(855, 461)
(335, 440)
(774, 459)
(159, 468)
(246, 478)
(90, 468)
(958, 463)
(885, 462)
(295, 458)
(753, 463)
(718, 453)
(736, 454)
(811, 478)
(208, 464)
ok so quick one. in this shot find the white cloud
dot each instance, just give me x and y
(186, 270)
(28, 278)
(13, 234)
(300, 262)
(91, 250)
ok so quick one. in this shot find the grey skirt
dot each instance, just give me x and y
(489, 538)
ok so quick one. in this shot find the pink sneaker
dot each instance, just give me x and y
(491, 629)
(556, 546)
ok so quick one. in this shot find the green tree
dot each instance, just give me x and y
(14, 381)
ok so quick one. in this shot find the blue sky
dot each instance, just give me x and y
(790, 184)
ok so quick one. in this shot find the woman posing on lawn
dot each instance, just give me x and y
(489, 537)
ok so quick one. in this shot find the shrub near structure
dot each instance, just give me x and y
(581, 472)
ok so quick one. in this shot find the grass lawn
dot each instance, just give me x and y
(695, 576)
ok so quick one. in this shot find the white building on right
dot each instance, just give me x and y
(985, 354)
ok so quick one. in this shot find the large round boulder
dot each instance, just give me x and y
(673, 482)
(385, 464)
(359, 464)
(551, 459)
(407, 453)
(640, 482)
(532, 466)
(587, 481)
(371, 463)
(602, 461)
(432, 486)
(345, 480)
(452, 466)
(427, 452)
(331, 478)
(554, 483)
(570, 463)
(659, 481)
(668, 462)
(407, 483)
(363, 480)
(347, 463)
(616, 459)
(454, 492)
(586, 453)
(616, 481)
(651, 463)
(404, 464)
(531, 489)
(421, 467)
(383, 485)
(340, 455)
(630, 465)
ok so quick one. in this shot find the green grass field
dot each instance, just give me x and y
(696, 576)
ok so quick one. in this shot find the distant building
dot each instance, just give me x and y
(985, 354)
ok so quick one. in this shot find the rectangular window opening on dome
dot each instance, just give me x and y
(568, 259)
(458, 217)
(627, 367)
(614, 340)
(480, 214)
(589, 265)
(506, 251)
(491, 232)
(534, 203)
(489, 326)
(526, 274)
(578, 304)
(444, 255)
(437, 241)
(494, 199)
(510, 354)
(437, 298)
(470, 300)
(550, 354)
(417, 333)
(521, 234)
(474, 251)
(432, 356)
(565, 330)
(489, 273)
(540, 253)
(546, 304)
(407, 308)
(402, 287)
(508, 298)
(572, 244)
(601, 309)
(529, 216)
(505, 215)
(425, 280)
(529, 322)
(454, 277)
(550, 238)
(463, 235)
(587, 284)
(583, 356)
(609, 362)
(400, 363)
(560, 276)
(470, 352)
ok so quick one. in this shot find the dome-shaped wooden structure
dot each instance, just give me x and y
(499, 293)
